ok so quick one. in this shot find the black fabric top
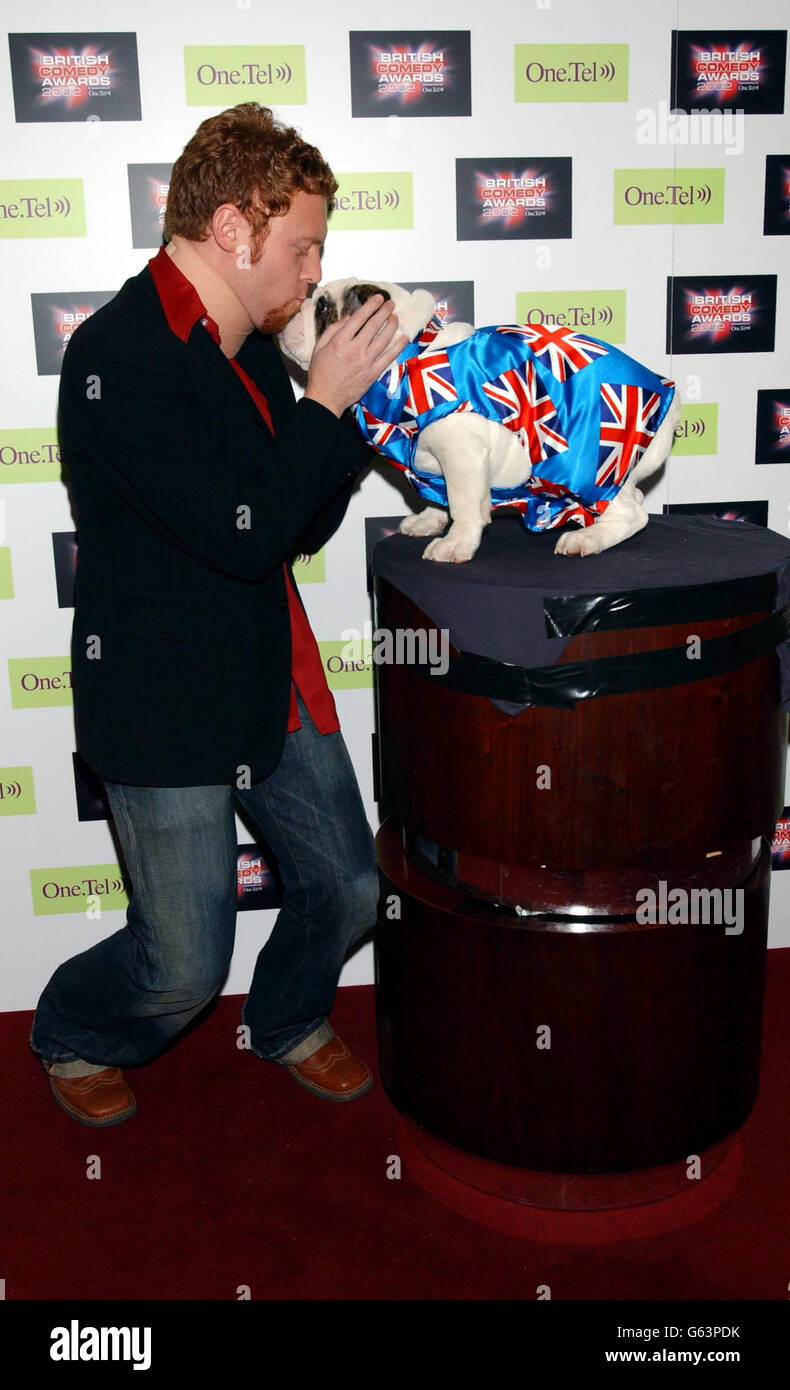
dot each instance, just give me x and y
(515, 594)
(192, 609)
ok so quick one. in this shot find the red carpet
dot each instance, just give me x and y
(230, 1175)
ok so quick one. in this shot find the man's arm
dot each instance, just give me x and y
(324, 525)
(240, 506)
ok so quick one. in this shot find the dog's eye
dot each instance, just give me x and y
(325, 313)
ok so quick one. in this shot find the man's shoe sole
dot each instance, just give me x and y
(84, 1120)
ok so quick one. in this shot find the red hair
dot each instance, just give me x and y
(244, 156)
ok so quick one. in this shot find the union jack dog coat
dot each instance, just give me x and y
(584, 420)
(584, 412)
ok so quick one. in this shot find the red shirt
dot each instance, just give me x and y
(183, 307)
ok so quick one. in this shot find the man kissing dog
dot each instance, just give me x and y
(560, 425)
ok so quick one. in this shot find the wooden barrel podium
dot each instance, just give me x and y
(571, 942)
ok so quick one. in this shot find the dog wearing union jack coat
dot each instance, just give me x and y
(553, 422)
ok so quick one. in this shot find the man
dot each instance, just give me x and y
(196, 477)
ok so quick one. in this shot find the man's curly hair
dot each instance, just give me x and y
(244, 156)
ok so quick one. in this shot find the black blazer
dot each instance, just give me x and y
(186, 508)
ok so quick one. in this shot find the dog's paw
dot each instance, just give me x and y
(454, 549)
(581, 542)
(425, 523)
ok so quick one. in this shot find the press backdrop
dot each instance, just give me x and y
(529, 160)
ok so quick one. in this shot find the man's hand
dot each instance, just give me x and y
(350, 354)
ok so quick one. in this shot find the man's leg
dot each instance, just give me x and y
(310, 812)
(121, 1001)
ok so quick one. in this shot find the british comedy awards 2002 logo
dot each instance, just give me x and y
(743, 69)
(780, 845)
(454, 299)
(754, 512)
(55, 318)
(776, 216)
(715, 314)
(504, 199)
(772, 443)
(148, 188)
(64, 553)
(257, 882)
(410, 73)
(75, 77)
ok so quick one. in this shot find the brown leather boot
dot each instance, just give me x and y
(103, 1098)
(333, 1072)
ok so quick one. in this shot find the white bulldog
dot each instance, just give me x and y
(462, 455)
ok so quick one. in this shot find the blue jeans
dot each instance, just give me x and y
(123, 1000)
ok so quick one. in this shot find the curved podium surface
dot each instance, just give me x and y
(576, 868)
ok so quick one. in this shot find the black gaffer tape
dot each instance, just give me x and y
(569, 614)
(565, 684)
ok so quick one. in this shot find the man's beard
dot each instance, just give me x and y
(276, 319)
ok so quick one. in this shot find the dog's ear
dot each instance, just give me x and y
(359, 294)
(414, 310)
